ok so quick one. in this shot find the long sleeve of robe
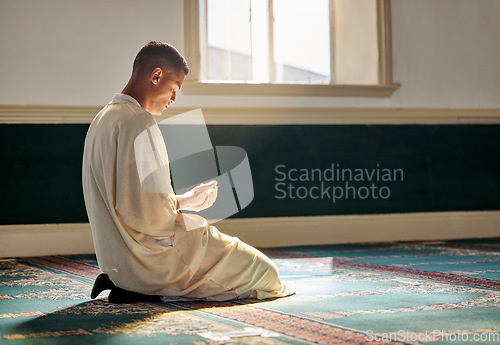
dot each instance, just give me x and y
(127, 219)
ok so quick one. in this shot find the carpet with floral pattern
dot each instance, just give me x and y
(440, 292)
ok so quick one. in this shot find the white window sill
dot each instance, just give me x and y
(295, 90)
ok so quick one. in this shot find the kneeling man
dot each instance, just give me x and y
(143, 246)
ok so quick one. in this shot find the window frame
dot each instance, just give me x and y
(193, 85)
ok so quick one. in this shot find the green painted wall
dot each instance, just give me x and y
(441, 168)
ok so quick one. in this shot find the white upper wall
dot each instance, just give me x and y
(73, 52)
(77, 52)
(446, 53)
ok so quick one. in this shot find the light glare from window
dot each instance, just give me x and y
(302, 41)
(229, 40)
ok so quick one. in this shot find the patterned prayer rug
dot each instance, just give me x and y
(394, 293)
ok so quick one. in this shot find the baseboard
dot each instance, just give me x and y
(61, 239)
(294, 231)
(45, 239)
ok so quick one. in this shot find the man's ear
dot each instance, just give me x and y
(156, 75)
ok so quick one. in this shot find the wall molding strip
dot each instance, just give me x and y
(21, 114)
(62, 239)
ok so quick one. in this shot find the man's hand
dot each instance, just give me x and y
(198, 198)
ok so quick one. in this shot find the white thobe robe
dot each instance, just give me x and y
(128, 220)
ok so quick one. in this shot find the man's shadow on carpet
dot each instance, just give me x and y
(99, 317)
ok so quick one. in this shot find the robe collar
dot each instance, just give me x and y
(123, 97)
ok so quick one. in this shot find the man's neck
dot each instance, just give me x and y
(133, 90)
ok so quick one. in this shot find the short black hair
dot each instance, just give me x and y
(158, 54)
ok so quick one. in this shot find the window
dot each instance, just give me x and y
(267, 41)
(288, 47)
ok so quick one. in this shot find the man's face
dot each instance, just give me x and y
(165, 91)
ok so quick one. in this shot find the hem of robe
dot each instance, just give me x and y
(260, 295)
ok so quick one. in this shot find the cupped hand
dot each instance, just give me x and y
(199, 198)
